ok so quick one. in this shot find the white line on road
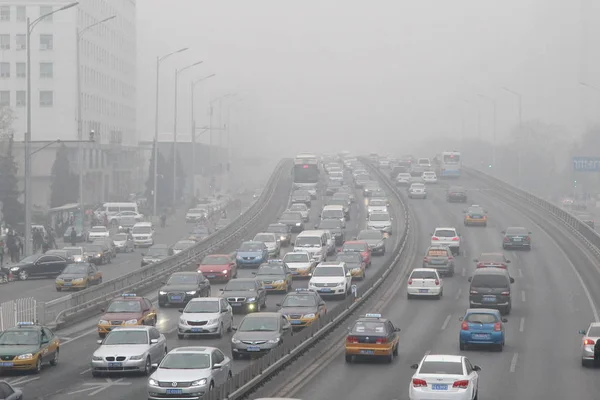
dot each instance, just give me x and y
(523, 296)
(522, 324)
(446, 321)
(458, 294)
(427, 353)
(520, 273)
(22, 380)
(463, 272)
(513, 363)
(85, 372)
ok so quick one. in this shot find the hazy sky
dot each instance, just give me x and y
(371, 75)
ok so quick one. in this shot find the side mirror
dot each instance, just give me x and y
(476, 368)
(99, 341)
(461, 319)
(475, 260)
(234, 328)
(504, 320)
(415, 366)
(582, 332)
(397, 329)
(470, 280)
(278, 304)
(217, 366)
(512, 280)
(181, 310)
(507, 261)
(154, 366)
(102, 310)
(503, 232)
(153, 341)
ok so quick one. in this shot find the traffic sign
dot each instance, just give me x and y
(586, 164)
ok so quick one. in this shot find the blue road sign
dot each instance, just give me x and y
(586, 164)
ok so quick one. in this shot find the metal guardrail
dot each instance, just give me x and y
(62, 312)
(20, 310)
(245, 382)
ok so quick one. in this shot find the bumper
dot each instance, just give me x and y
(244, 308)
(104, 329)
(95, 260)
(192, 220)
(498, 305)
(143, 242)
(443, 269)
(71, 285)
(417, 195)
(469, 221)
(188, 393)
(516, 245)
(368, 350)
(118, 367)
(18, 365)
(300, 323)
(217, 276)
(425, 292)
(174, 300)
(192, 330)
(249, 350)
(337, 291)
(249, 263)
(428, 394)
(300, 273)
(482, 338)
(276, 287)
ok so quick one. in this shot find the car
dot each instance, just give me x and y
(205, 316)
(61, 253)
(424, 282)
(361, 180)
(108, 242)
(358, 246)
(156, 253)
(372, 336)
(347, 190)
(78, 276)
(440, 258)
(336, 227)
(245, 295)
(497, 260)
(251, 254)
(218, 267)
(222, 223)
(456, 194)
(482, 326)
(119, 218)
(129, 349)
(490, 288)
(404, 179)
(301, 196)
(275, 276)
(370, 187)
(377, 205)
(333, 187)
(354, 263)
(302, 308)
(189, 373)
(283, 231)
(183, 245)
(516, 238)
(429, 177)
(375, 239)
(380, 221)
(259, 333)
(475, 215)
(396, 170)
(341, 203)
(97, 254)
(182, 287)
(590, 345)
(424, 163)
(128, 309)
(446, 237)
(27, 346)
(300, 263)
(343, 196)
(271, 241)
(124, 243)
(417, 191)
(98, 231)
(336, 176)
(195, 215)
(199, 233)
(293, 219)
(302, 209)
(448, 377)
(143, 234)
(75, 253)
(36, 266)
(331, 278)
(10, 392)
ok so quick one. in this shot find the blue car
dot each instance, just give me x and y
(482, 326)
(251, 254)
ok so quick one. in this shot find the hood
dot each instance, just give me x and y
(72, 276)
(327, 279)
(289, 221)
(13, 350)
(299, 265)
(298, 310)
(380, 223)
(256, 335)
(120, 316)
(200, 316)
(121, 350)
(249, 253)
(180, 375)
(240, 293)
(270, 277)
(373, 242)
(179, 287)
(270, 245)
(213, 268)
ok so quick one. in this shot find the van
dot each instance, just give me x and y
(314, 242)
(334, 212)
(143, 234)
(111, 209)
(490, 288)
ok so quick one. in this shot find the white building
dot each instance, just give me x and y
(108, 85)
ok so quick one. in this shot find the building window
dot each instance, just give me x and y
(21, 13)
(46, 70)
(21, 70)
(46, 98)
(21, 98)
(46, 10)
(46, 42)
(5, 13)
(5, 42)
(21, 41)
(4, 98)
(4, 70)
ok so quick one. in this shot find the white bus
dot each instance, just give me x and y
(306, 171)
(448, 164)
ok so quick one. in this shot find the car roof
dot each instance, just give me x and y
(331, 264)
(482, 311)
(132, 328)
(445, 228)
(194, 349)
(424, 270)
(201, 299)
(185, 273)
(442, 358)
(491, 271)
(595, 325)
(263, 314)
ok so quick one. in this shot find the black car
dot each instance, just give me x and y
(490, 288)
(336, 227)
(182, 287)
(37, 266)
(374, 239)
(456, 194)
(516, 238)
(61, 253)
(97, 253)
(283, 231)
(301, 196)
(156, 253)
(293, 219)
(333, 187)
(245, 295)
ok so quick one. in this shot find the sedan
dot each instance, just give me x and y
(183, 245)
(590, 346)
(245, 295)
(439, 258)
(424, 282)
(492, 260)
(218, 267)
(259, 333)
(482, 326)
(124, 243)
(375, 240)
(37, 266)
(516, 238)
(78, 276)
(445, 377)
(205, 316)
(456, 194)
(417, 191)
(302, 209)
(275, 276)
(182, 287)
(98, 232)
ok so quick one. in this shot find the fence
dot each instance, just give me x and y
(14, 311)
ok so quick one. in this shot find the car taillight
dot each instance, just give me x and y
(426, 259)
(461, 384)
(505, 294)
(419, 382)
(506, 239)
(464, 326)
(497, 326)
(352, 339)
(450, 258)
(480, 265)
(528, 238)
(381, 341)
(437, 282)
(410, 281)
(455, 239)
(474, 292)
(435, 238)
(588, 342)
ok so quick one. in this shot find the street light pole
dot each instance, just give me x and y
(27, 193)
(192, 92)
(210, 146)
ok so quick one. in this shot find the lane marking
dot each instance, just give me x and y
(463, 272)
(22, 380)
(520, 273)
(84, 334)
(446, 321)
(96, 387)
(85, 372)
(513, 363)
(427, 353)
(523, 296)
(458, 294)
(522, 324)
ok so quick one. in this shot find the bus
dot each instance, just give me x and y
(448, 164)
(306, 171)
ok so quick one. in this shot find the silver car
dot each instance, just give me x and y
(129, 349)
(189, 373)
(205, 316)
(271, 241)
(417, 191)
(439, 257)
(123, 243)
(302, 209)
(380, 221)
(259, 333)
(183, 245)
(590, 345)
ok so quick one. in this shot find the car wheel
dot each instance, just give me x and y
(396, 351)
(54, 361)
(500, 347)
(348, 358)
(23, 275)
(147, 367)
(96, 374)
(408, 296)
(38, 366)
(462, 346)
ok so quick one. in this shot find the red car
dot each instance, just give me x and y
(218, 267)
(492, 260)
(358, 246)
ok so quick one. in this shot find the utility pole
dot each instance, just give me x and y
(192, 114)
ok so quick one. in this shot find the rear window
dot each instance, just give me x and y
(444, 233)
(594, 331)
(437, 253)
(516, 231)
(481, 318)
(491, 281)
(423, 275)
(376, 328)
(441, 367)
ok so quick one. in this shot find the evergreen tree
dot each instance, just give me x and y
(65, 185)
(12, 209)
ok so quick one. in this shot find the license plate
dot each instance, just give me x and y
(516, 239)
(294, 272)
(196, 329)
(439, 386)
(368, 352)
(295, 322)
(67, 284)
(236, 304)
(210, 276)
(115, 365)
(268, 286)
(253, 348)
(423, 290)
(489, 299)
(174, 391)
(481, 336)
(325, 290)
(6, 364)
(438, 262)
(175, 297)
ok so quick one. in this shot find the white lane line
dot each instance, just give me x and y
(522, 324)
(514, 253)
(513, 362)
(84, 334)
(520, 273)
(22, 380)
(523, 296)
(458, 294)
(85, 372)
(446, 321)
(463, 272)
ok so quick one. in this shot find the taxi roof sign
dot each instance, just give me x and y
(303, 290)
(129, 295)
(272, 261)
(373, 315)
(26, 323)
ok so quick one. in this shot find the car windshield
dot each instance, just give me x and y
(183, 279)
(594, 331)
(489, 281)
(20, 337)
(73, 251)
(90, 248)
(265, 238)
(350, 258)
(437, 253)
(76, 269)
(491, 258)
(423, 275)
(377, 203)
(259, 324)
(370, 235)
(379, 217)
(121, 237)
(125, 306)
(337, 202)
(123, 337)
(98, 229)
(296, 257)
(182, 245)
(298, 300)
(291, 216)
(278, 229)
(215, 260)
(444, 233)
(141, 230)
(269, 269)
(185, 361)
(203, 306)
(330, 224)
(298, 207)
(355, 247)
(251, 247)
(196, 211)
(329, 271)
(158, 251)
(369, 328)
(476, 210)
(516, 231)
(441, 368)
(481, 318)
(237, 285)
(308, 241)
(333, 214)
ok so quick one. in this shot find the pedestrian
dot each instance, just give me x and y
(38, 239)
(1, 252)
(19, 249)
(45, 246)
(12, 246)
(73, 236)
(52, 239)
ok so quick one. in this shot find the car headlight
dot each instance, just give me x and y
(191, 292)
(234, 340)
(27, 356)
(78, 280)
(283, 238)
(96, 358)
(98, 255)
(200, 382)
(59, 280)
(342, 283)
(250, 299)
(213, 321)
(311, 284)
(298, 223)
(136, 357)
(152, 382)
(162, 292)
(311, 315)
(278, 282)
(357, 269)
(14, 269)
(131, 321)
(276, 340)
(182, 321)
(103, 322)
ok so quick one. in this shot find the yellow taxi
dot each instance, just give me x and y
(302, 308)
(372, 336)
(127, 310)
(78, 276)
(475, 215)
(27, 347)
(275, 276)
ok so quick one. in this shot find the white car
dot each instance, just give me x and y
(195, 215)
(116, 219)
(429, 177)
(271, 241)
(447, 237)
(380, 221)
(424, 282)
(331, 278)
(302, 209)
(98, 232)
(205, 316)
(424, 163)
(444, 377)
(377, 205)
(183, 245)
(300, 263)
(590, 347)
(403, 179)
(417, 191)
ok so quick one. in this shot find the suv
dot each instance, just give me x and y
(447, 237)
(490, 288)
(440, 258)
